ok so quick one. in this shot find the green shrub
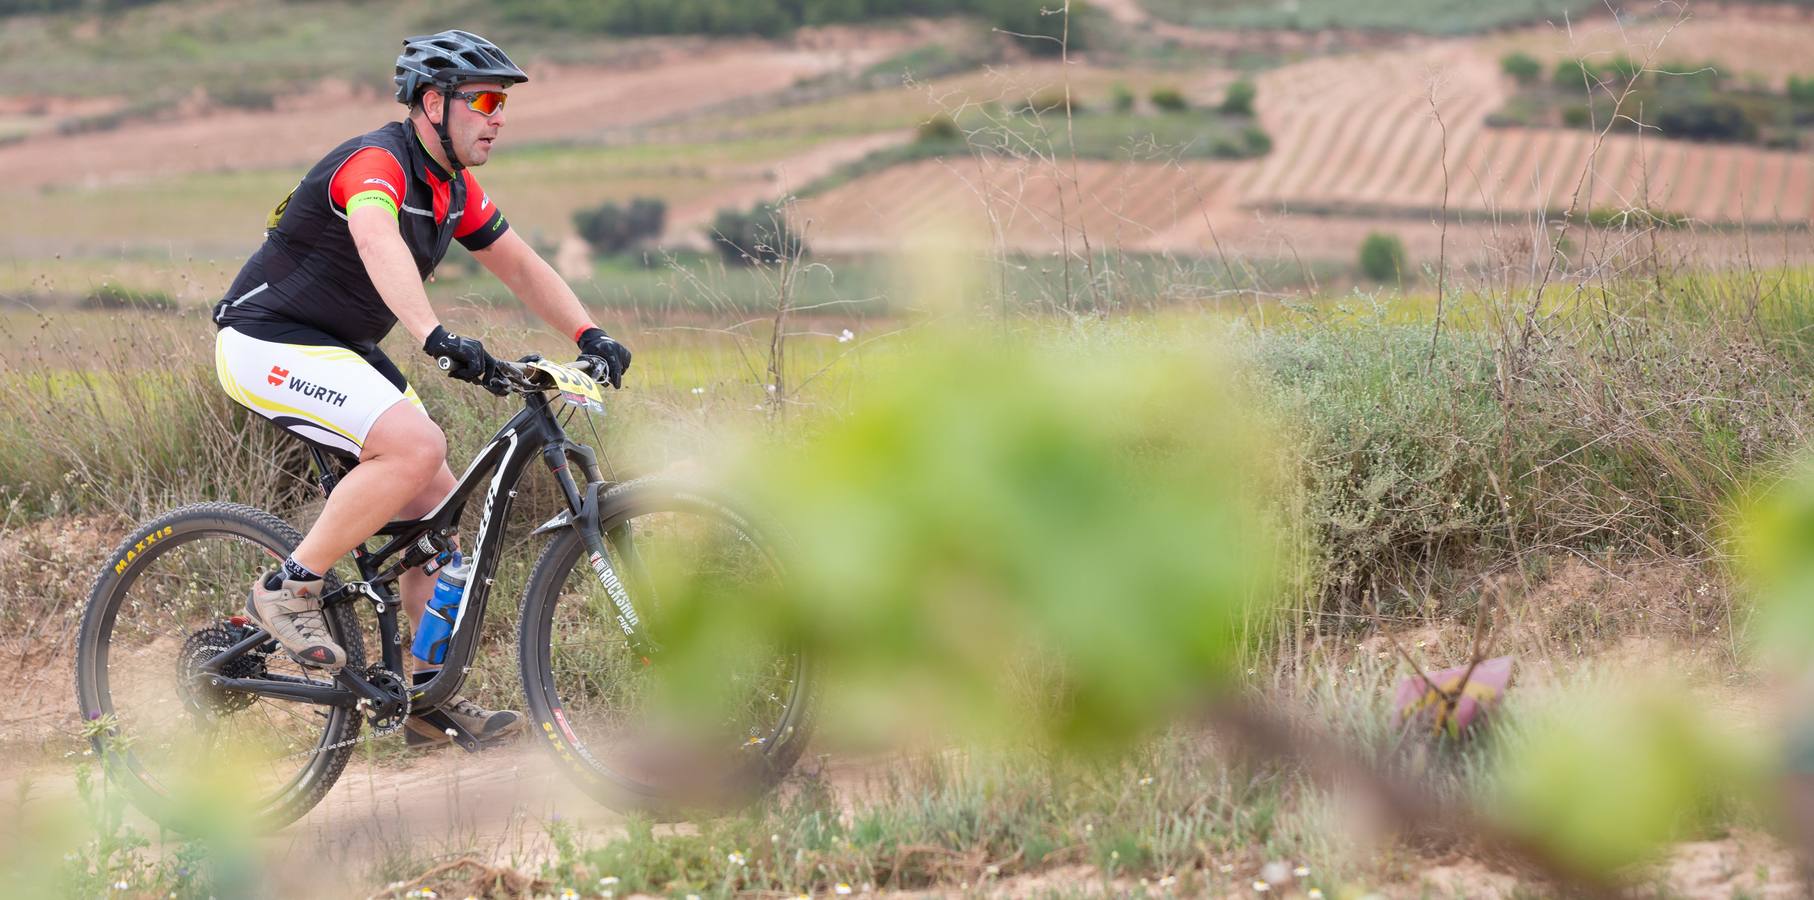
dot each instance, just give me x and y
(612, 228)
(1050, 101)
(1577, 116)
(1121, 97)
(1801, 90)
(1382, 257)
(1711, 118)
(1689, 77)
(1622, 69)
(1238, 101)
(1169, 99)
(1574, 74)
(1522, 67)
(939, 129)
(759, 235)
(240, 95)
(1256, 140)
(1612, 217)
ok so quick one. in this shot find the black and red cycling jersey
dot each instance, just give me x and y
(308, 272)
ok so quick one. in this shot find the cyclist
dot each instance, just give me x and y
(344, 259)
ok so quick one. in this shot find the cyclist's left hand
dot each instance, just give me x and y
(616, 357)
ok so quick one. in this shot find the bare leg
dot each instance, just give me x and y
(403, 453)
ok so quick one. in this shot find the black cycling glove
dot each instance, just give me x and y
(616, 357)
(464, 358)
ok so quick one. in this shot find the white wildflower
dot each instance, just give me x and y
(845, 336)
(842, 889)
(1261, 887)
(736, 859)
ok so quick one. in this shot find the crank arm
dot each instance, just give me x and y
(314, 692)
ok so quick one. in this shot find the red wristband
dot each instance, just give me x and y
(582, 330)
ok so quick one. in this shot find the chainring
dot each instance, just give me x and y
(200, 697)
(381, 721)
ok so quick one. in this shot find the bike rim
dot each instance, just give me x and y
(607, 704)
(173, 738)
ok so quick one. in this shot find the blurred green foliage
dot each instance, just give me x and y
(1064, 541)
(1605, 776)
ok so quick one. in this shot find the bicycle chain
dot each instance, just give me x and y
(369, 734)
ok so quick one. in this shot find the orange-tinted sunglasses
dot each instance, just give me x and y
(485, 103)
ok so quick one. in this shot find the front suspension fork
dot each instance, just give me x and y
(598, 556)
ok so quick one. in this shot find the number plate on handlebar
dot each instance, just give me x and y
(576, 387)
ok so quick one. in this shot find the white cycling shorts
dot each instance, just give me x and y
(320, 390)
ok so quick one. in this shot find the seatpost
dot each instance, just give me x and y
(323, 464)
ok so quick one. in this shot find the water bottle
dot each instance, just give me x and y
(436, 627)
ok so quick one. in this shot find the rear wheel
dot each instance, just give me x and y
(164, 604)
(600, 705)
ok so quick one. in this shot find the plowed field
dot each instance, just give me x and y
(1022, 205)
(1358, 146)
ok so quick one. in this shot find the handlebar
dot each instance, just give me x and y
(523, 379)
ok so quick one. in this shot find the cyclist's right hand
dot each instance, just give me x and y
(464, 358)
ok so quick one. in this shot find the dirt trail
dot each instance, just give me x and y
(384, 818)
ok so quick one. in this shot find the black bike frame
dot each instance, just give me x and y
(535, 430)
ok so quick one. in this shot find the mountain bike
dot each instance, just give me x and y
(173, 679)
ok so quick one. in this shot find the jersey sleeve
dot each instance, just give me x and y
(482, 222)
(371, 175)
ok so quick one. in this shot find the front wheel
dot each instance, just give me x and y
(601, 705)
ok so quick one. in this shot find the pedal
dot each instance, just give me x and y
(466, 740)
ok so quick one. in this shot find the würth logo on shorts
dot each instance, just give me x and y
(317, 392)
(278, 374)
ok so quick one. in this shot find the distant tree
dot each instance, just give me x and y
(1522, 67)
(761, 234)
(1121, 97)
(1036, 19)
(1622, 69)
(938, 130)
(1238, 101)
(1052, 100)
(1382, 257)
(1574, 74)
(1706, 119)
(1169, 99)
(613, 228)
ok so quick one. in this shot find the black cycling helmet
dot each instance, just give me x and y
(443, 62)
